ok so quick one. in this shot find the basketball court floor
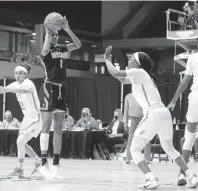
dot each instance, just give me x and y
(90, 175)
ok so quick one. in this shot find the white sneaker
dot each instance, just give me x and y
(18, 172)
(55, 171)
(150, 184)
(37, 164)
(44, 170)
(192, 182)
(181, 180)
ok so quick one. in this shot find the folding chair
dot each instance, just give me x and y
(156, 146)
(120, 148)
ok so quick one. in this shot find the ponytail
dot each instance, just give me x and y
(147, 64)
(163, 83)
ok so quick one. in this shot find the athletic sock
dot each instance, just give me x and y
(43, 159)
(56, 159)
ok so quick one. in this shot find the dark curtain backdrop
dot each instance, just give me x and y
(100, 94)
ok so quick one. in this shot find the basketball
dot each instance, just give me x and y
(54, 21)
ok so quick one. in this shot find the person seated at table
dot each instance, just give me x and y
(10, 122)
(195, 145)
(116, 131)
(86, 121)
(1, 125)
(69, 121)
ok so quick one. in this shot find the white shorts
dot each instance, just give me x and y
(157, 121)
(31, 125)
(192, 113)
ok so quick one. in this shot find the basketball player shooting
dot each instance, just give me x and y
(52, 93)
(145, 92)
(32, 124)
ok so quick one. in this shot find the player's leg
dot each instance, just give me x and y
(196, 147)
(57, 142)
(165, 133)
(167, 145)
(46, 106)
(31, 153)
(44, 137)
(132, 126)
(143, 134)
(21, 142)
(190, 136)
(57, 138)
(34, 129)
(59, 115)
(191, 128)
(44, 143)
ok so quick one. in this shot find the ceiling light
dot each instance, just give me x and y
(67, 41)
(34, 34)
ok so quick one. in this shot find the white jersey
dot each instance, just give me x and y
(29, 102)
(192, 70)
(144, 89)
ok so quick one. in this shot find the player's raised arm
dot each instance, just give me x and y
(111, 68)
(46, 45)
(76, 42)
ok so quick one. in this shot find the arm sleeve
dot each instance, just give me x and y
(189, 68)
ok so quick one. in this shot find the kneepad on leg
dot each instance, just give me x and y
(136, 149)
(189, 140)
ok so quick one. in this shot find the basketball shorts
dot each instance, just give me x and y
(157, 121)
(52, 97)
(31, 125)
(192, 114)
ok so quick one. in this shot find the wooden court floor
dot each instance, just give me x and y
(91, 175)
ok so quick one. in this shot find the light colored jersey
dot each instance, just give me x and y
(192, 70)
(29, 102)
(144, 90)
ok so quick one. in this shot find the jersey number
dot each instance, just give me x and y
(61, 63)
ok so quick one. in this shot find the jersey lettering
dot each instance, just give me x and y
(56, 55)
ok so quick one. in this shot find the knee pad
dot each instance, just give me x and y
(189, 140)
(170, 150)
(44, 141)
(136, 149)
